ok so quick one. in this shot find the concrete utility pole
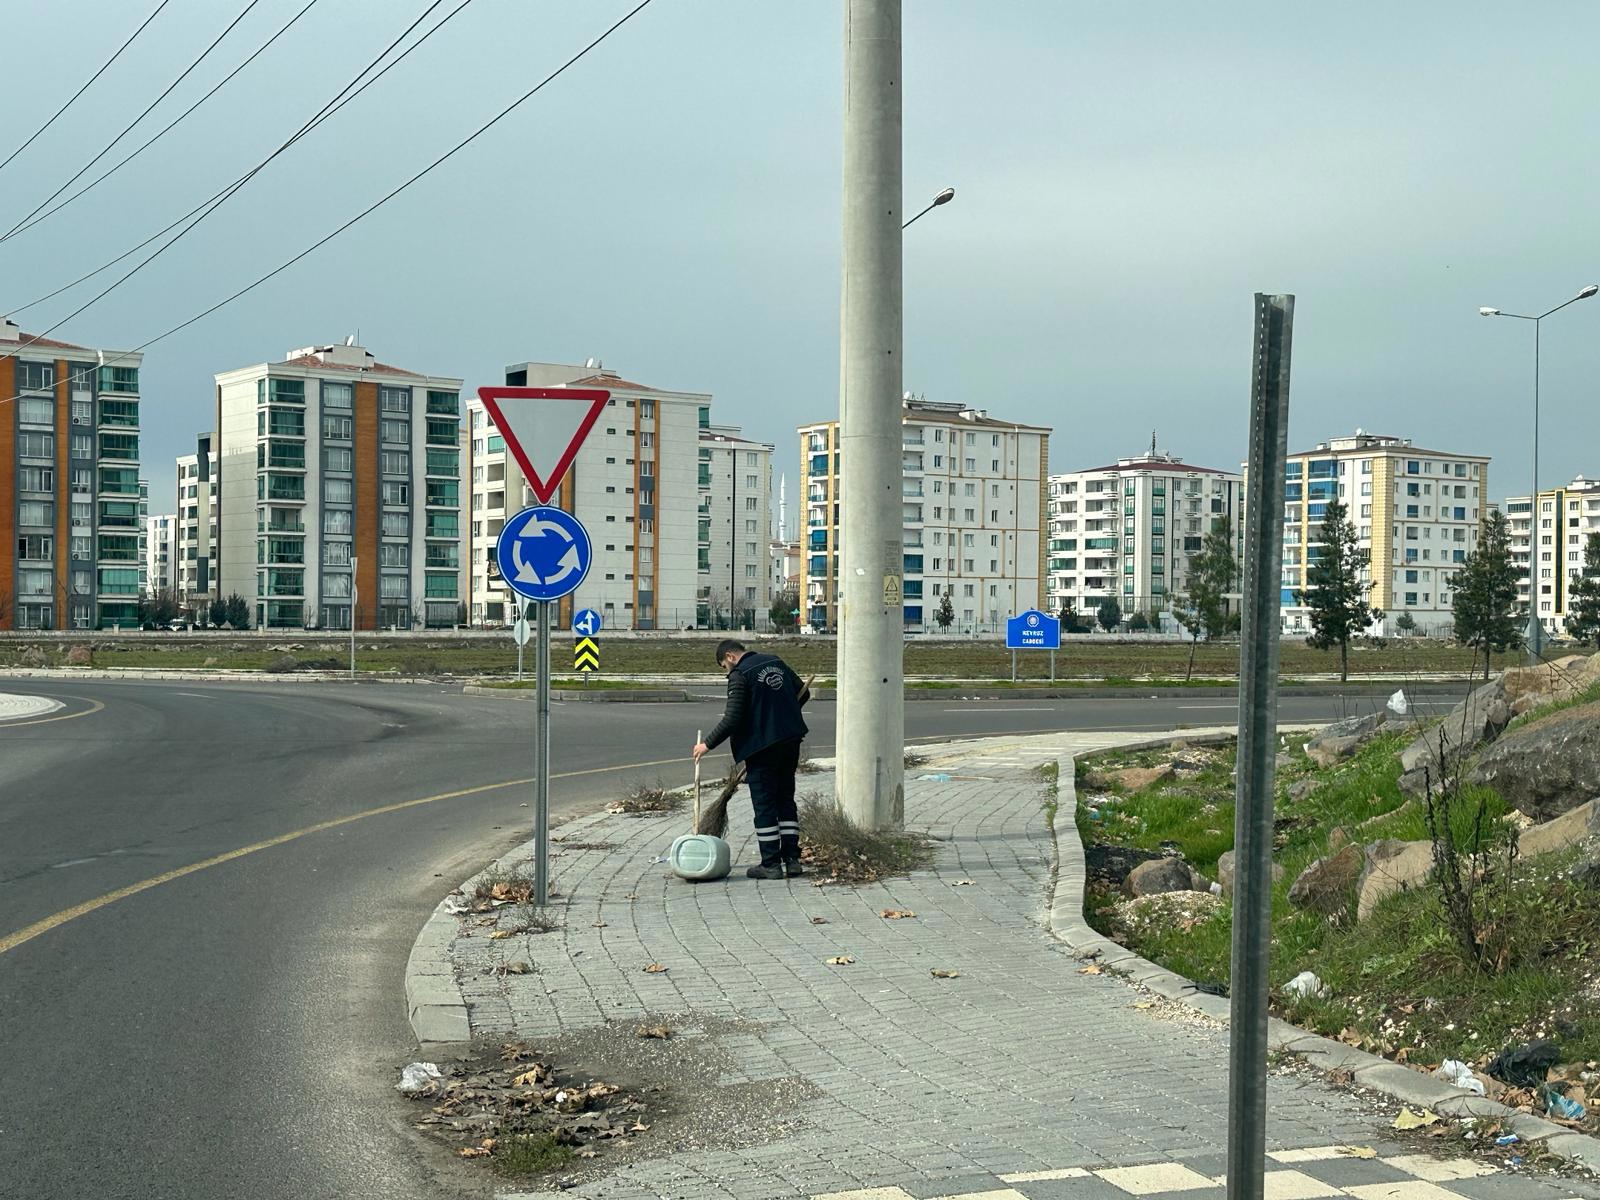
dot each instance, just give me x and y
(871, 720)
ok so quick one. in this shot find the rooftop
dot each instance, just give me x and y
(1159, 462)
(1364, 441)
(9, 332)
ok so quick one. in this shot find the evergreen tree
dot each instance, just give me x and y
(1583, 596)
(1334, 592)
(1109, 614)
(237, 610)
(1485, 594)
(216, 614)
(945, 614)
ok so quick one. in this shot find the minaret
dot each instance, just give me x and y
(783, 508)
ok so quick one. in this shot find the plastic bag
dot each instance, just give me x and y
(1306, 984)
(1558, 1105)
(1456, 1072)
(1398, 704)
(1525, 1065)
(419, 1079)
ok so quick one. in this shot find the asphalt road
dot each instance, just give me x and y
(235, 1030)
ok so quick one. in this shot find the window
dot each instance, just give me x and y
(396, 525)
(36, 546)
(36, 411)
(395, 462)
(444, 462)
(337, 521)
(336, 587)
(394, 493)
(119, 412)
(42, 445)
(394, 554)
(338, 395)
(443, 493)
(36, 512)
(336, 554)
(392, 587)
(119, 379)
(119, 579)
(337, 491)
(35, 583)
(336, 427)
(445, 525)
(439, 587)
(445, 404)
(441, 433)
(113, 479)
(395, 400)
(82, 445)
(36, 479)
(395, 432)
(35, 377)
(338, 459)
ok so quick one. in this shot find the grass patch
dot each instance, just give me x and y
(518, 1155)
(841, 851)
(512, 885)
(648, 798)
(913, 760)
(1401, 983)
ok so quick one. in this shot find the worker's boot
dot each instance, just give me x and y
(762, 871)
(792, 868)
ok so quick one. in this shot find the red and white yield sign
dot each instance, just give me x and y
(543, 428)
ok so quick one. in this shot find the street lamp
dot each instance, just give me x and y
(1535, 629)
(943, 197)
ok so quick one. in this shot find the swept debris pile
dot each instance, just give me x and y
(514, 1112)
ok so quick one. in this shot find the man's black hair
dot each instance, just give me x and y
(729, 646)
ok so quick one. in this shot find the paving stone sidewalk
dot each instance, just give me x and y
(1020, 1079)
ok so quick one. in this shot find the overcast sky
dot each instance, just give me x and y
(1127, 177)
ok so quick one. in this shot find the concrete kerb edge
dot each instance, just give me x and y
(600, 696)
(1065, 922)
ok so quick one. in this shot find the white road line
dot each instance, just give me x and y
(1235, 705)
(1009, 710)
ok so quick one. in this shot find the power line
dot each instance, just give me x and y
(217, 87)
(106, 360)
(83, 170)
(85, 87)
(199, 213)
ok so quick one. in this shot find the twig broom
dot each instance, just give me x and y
(713, 819)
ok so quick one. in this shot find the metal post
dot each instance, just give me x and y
(871, 716)
(1013, 666)
(355, 596)
(1052, 666)
(541, 797)
(1258, 701)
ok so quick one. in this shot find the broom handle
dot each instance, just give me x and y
(696, 828)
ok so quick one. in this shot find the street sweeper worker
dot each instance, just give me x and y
(762, 720)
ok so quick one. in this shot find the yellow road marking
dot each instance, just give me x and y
(56, 920)
(95, 706)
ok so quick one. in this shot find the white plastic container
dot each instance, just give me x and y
(699, 857)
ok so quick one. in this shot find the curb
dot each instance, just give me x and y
(205, 675)
(1065, 922)
(601, 696)
(1139, 691)
(434, 1003)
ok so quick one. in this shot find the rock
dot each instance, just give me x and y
(282, 663)
(1339, 741)
(1481, 717)
(1338, 838)
(1180, 744)
(1135, 779)
(1145, 914)
(1568, 829)
(33, 657)
(1528, 688)
(1284, 759)
(1301, 788)
(1391, 866)
(1549, 766)
(1325, 886)
(79, 656)
(1586, 874)
(1160, 875)
(1384, 816)
(1225, 872)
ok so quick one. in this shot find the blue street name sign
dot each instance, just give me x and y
(543, 553)
(1033, 630)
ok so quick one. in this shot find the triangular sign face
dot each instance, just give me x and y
(543, 428)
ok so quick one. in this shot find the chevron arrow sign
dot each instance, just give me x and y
(586, 655)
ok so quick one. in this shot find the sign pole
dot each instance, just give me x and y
(355, 599)
(541, 799)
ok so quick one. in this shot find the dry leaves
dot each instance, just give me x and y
(529, 1078)
(501, 934)
(660, 1032)
(941, 973)
(1358, 1152)
(842, 960)
(1142, 1004)
(654, 969)
(1092, 969)
(598, 925)
(961, 883)
(897, 914)
(819, 920)
(1410, 1120)
(515, 968)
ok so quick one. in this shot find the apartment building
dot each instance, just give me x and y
(634, 485)
(1567, 516)
(161, 556)
(1128, 530)
(144, 537)
(1417, 511)
(195, 536)
(69, 484)
(735, 525)
(973, 505)
(339, 493)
